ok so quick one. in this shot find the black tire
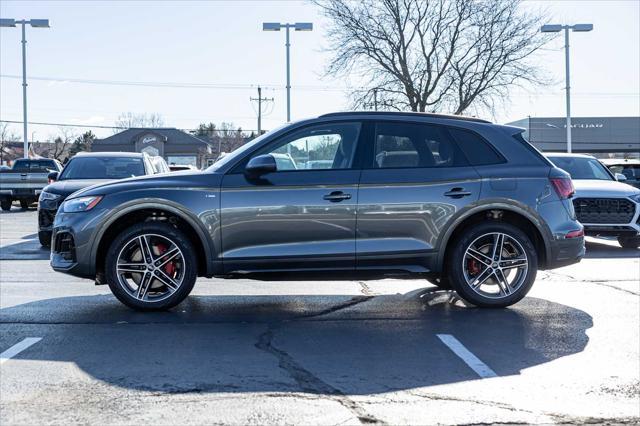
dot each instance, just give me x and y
(456, 267)
(629, 242)
(189, 266)
(24, 204)
(45, 238)
(5, 204)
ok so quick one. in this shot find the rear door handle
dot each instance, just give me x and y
(457, 193)
(337, 196)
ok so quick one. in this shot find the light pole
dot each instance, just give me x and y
(277, 26)
(35, 23)
(556, 28)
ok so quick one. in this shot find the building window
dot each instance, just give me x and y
(182, 160)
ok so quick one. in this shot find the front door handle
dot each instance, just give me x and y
(457, 193)
(337, 196)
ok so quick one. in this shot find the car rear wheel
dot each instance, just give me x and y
(629, 242)
(24, 204)
(151, 266)
(493, 265)
(5, 204)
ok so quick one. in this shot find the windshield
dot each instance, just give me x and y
(229, 158)
(102, 168)
(582, 168)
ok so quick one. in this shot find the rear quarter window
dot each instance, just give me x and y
(478, 151)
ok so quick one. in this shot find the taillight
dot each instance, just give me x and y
(563, 186)
(575, 234)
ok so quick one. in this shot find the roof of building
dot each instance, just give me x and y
(567, 154)
(128, 136)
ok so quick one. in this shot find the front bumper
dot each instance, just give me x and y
(72, 243)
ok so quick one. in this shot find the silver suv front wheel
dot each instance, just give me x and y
(151, 266)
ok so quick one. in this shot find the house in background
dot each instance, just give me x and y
(174, 145)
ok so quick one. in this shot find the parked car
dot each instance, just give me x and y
(25, 180)
(605, 206)
(182, 168)
(83, 170)
(628, 168)
(482, 219)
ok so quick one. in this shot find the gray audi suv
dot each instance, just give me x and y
(464, 203)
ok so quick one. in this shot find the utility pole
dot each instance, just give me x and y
(260, 99)
(35, 23)
(375, 99)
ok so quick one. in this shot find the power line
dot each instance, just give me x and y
(89, 126)
(178, 85)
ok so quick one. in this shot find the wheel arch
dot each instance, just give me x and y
(517, 215)
(135, 212)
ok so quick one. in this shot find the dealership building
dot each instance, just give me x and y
(175, 146)
(601, 136)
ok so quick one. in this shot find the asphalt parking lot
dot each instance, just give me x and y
(317, 352)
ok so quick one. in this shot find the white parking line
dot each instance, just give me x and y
(467, 356)
(17, 348)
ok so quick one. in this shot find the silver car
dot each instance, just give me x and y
(462, 202)
(605, 206)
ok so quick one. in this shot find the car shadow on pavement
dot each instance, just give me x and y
(337, 344)
(28, 248)
(607, 250)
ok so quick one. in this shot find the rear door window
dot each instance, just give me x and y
(409, 145)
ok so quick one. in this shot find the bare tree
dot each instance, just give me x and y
(442, 55)
(58, 146)
(127, 120)
(6, 135)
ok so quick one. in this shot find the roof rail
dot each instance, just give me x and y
(411, 114)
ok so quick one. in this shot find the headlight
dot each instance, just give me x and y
(635, 198)
(49, 196)
(81, 204)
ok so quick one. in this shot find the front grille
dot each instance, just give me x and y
(604, 210)
(45, 217)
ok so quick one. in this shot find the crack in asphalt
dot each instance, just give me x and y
(556, 275)
(309, 382)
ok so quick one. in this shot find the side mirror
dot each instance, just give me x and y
(620, 177)
(52, 177)
(261, 165)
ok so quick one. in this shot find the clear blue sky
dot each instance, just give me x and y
(221, 43)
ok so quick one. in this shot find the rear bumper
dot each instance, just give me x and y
(566, 252)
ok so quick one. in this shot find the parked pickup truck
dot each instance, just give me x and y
(25, 180)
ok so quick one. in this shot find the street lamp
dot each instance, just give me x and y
(35, 23)
(554, 28)
(277, 26)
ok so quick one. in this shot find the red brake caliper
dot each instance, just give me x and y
(473, 266)
(169, 267)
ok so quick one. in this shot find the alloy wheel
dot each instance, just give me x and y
(150, 267)
(495, 265)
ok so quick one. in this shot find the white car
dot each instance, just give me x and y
(603, 205)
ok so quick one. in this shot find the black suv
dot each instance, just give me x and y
(467, 204)
(83, 170)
